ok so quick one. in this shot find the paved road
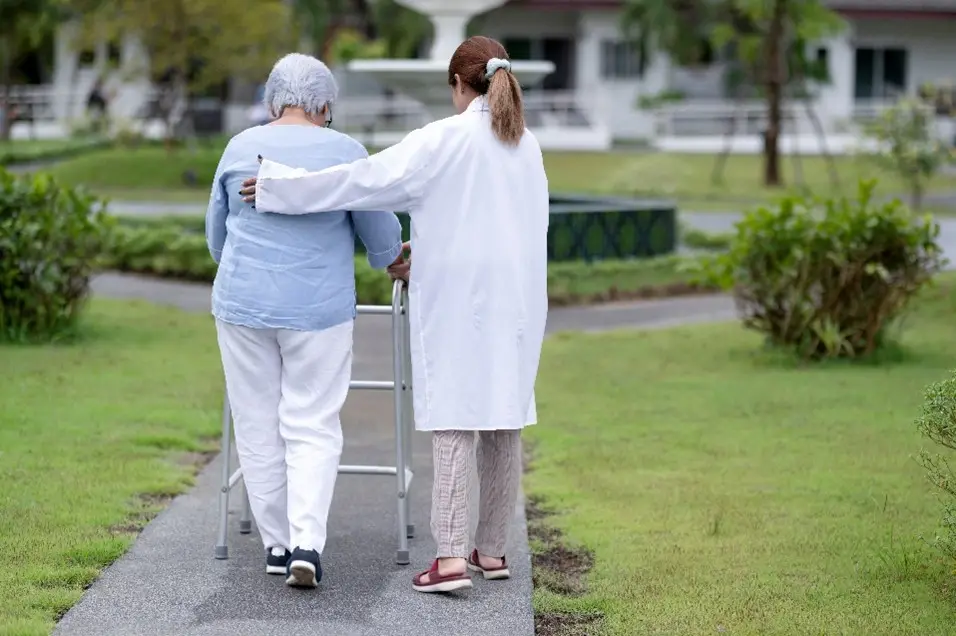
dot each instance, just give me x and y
(169, 584)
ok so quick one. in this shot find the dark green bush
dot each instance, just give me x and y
(50, 240)
(937, 423)
(826, 279)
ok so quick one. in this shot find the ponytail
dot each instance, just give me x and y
(483, 65)
(506, 107)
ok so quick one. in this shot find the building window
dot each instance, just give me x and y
(620, 60)
(880, 73)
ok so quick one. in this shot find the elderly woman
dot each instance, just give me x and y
(284, 303)
(475, 188)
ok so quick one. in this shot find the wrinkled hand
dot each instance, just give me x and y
(248, 191)
(400, 269)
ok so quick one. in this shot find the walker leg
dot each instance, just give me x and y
(245, 521)
(222, 546)
(408, 416)
(398, 373)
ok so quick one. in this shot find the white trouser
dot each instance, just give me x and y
(286, 389)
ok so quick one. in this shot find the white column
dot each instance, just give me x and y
(64, 69)
(449, 33)
(836, 101)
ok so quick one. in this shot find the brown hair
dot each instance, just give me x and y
(470, 63)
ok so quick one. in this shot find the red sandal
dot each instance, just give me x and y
(438, 583)
(490, 574)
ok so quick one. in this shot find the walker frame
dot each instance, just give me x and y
(401, 388)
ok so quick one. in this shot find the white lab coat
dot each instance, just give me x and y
(478, 282)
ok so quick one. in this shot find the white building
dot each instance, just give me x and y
(890, 48)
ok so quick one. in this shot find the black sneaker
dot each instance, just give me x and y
(305, 568)
(277, 560)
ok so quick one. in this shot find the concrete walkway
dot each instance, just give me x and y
(169, 584)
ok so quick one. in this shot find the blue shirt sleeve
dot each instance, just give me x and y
(380, 232)
(217, 211)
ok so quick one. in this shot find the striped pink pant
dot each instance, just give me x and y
(499, 473)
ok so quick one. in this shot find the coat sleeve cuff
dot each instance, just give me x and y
(381, 260)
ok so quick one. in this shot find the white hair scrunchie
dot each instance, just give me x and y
(494, 64)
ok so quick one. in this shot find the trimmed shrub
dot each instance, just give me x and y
(827, 278)
(937, 423)
(51, 238)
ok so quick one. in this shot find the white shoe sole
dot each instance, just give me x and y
(491, 575)
(275, 569)
(301, 574)
(444, 586)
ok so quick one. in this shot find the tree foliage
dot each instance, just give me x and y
(765, 42)
(342, 30)
(906, 144)
(23, 23)
(192, 46)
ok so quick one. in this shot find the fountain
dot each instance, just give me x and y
(426, 80)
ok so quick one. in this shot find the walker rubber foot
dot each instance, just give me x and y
(402, 557)
(222, 552)
(245, 527)
(410, 531)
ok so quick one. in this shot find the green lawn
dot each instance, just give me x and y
(94, 436)
(152, 173)
(687, 177)
(723, 489)
(24, 151)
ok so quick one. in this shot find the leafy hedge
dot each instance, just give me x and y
(937, 423)
(826, 278)
(175, 247)
(51, 238)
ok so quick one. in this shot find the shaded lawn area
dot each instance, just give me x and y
(152, 173)
(94, 437)
(723, 488)
(687, 177)
(27, 150)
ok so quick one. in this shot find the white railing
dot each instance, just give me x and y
(549, 109)
(698, 118)
(39, 102)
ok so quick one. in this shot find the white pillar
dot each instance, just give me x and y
(64, 69)
(449, 33)
(836, 100)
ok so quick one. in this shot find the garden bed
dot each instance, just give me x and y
(175, 247)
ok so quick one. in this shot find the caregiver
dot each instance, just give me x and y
(477, 194)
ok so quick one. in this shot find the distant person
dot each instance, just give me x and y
(284, 303)
(97, 106)
(476, 191)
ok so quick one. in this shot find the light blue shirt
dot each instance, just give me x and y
(289, 271)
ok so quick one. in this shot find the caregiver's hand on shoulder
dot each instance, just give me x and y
(248, 191)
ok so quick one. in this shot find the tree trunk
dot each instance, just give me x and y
(367, 21)
(6, 108)
(774, 87)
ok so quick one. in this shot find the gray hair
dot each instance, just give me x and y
(299, 81)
